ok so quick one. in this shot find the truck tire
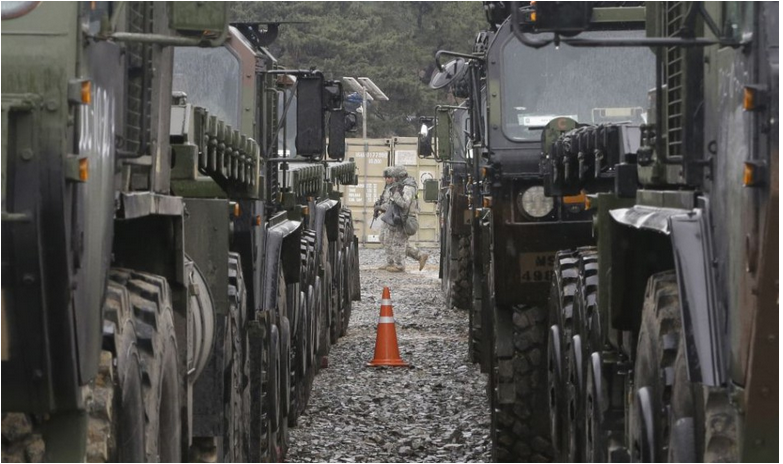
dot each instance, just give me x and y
(444, 265)
(310, 348)
(560, 339)
(656, 352)
(237, 389)
(476, 336)
(521, 429)
(274, 406)
(328, 303)
(296, 351)
(337, 293)
(460, 279)
(326, 297)
(585, 338)
(683, 418)
(284, 366)
(151, 300)
(347, 290)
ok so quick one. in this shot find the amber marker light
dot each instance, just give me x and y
(305, 210)
(237, 211)
(750, 176)
(84, 169)
(487, 202)
(748, 100)
(575, 199)
(258, 220)
(87, 92)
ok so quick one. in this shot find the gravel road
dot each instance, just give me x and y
(435, 411)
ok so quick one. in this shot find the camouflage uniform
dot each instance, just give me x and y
(394, 239)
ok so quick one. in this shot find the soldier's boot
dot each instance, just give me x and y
(396, 268)
(423, 260)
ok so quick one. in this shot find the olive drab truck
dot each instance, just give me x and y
(452, 144)
(448, 139)
(453, 137)
(518, 97)
(161, 297)
(662, 335)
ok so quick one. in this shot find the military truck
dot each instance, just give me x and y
(451, 196)
(163, 297)
(452, 142)
(452, 137)
(515, 94)
(662, 342)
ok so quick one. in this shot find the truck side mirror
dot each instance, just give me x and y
(337, 128)
(310, 117)
(424, 146)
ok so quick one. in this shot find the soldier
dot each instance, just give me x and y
(401, 191)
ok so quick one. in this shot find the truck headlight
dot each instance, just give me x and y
(11, 10)
(532, 202)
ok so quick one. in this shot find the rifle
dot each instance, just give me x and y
(376, 208)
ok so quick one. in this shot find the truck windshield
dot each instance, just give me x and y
(210, 77)
(591, 85)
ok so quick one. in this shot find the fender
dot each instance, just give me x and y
(282, 249)
(690, 233)
(701, 318)
(327, 212)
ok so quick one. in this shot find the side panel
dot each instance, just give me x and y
(39, 53)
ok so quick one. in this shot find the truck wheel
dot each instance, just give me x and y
(444, 269)
(595, 408)
(347, 291)
(284, 363)
(521, 429)
(119, 337)
(295, 351)
(477, 337)
(151, 300)
(274, 406)
(683, 418)
(586, 321)
(584, 339)
(654, 369)
(285, 384)
(311, 337)
(353, 257)
(561, 314)
(460, 286)
(327, 299)
(328, 302)
(236, 390)
(337, 307)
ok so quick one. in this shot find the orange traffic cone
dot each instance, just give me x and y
(386, 351)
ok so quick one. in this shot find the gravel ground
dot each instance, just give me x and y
(436, 411)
